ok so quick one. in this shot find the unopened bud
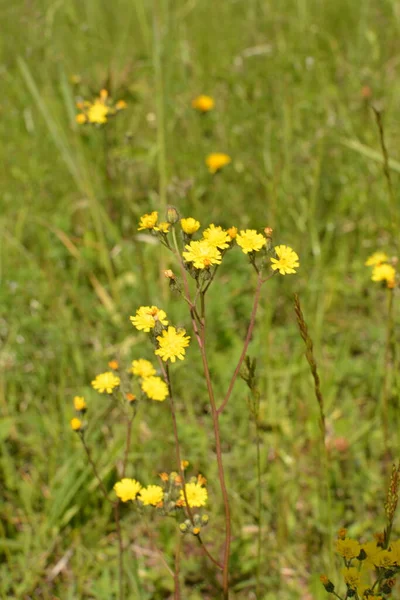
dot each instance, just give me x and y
(172, 215)
(328, 585)
(169, 274)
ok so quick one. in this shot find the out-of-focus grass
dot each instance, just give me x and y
(287, 78)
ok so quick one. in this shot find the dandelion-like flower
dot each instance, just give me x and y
(190, 225)
(147, 316)
(216, 236)
(114, 365)
(384, 272)
(106, 382)
(151, 495)
(155, 388)
(197, 495)
(287, 260)
(250, 241)
(163, 227)
(203, 103)
(143, 368)
(76, 424)
(377, 258)
(127, 489)
(99, 110)
(348, 548)
(148, 221)
(202, 254)
(351, 577)
(79, 403)
(217, 160)
(172, 344)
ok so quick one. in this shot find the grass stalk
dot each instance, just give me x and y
(386, 372)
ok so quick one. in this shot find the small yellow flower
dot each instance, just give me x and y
(250, 241)
(113, 364)
(148, 221)
(163, 227)
(196, 495)
(384, 272)
(80, 119)
(348, 548)
(287, 260)
(76, 424)
(342, 533)
(172, 344)
(147, 316)
(190, 225)
(352, 577)
(216, 161)
(79, 403)
(127, 489)
(98, 112)
(152, 494)
(121, 105)
(232, 232)
(196, 530)
(106, 382)
(184, 464)
(203, 103)
(155, 388)
(372, 551)
(377, 258)
(202, 254)
(386, 559)
(143, 368)
(217, 237)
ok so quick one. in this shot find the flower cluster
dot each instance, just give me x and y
(382, 269)
(99, 110)
(80, 407)
(152, 385)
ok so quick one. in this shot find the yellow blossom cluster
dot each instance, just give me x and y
(382, 270)
(98, 111)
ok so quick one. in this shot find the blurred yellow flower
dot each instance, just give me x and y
(250, 241)
(216, 160)
(147, 316)
(155, 388)
(196, 495)
(76, 424)
(127, 489)
(216, 236)
(203, 103)
(143, 368)
(79, 403)
(98, 112)
(121, 105)
(287, 260)
(352, 577)
(202, 254)
(384, 272)
(376, 259)
(148, 221)
(232, 232)
(113, 364)
(163, 227)
(172, 344)
(348, 548)
(372, 551)
(106, 382)
(190, 225)
(81, 119)
(151, 495)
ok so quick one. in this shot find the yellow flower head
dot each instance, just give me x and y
(80, 119)
(148, 221)
(386, 559)
(163, 227)
(127, 489)
(348, 548)
(152, 494)
(216, 161)
(190, 225)
(217, 237)
(172, 344)
(384, 272)
(376, 258)
(203, 103)
(155, 388)
(250, 241)
(79, 403)
(98, 112)
(106, 382)
(202, 254)
(143, 368)
(196, 495)
(121, 105)
(147, 316)
(76, 424)
(372, 551)
(232, 232)
(352, 577)
(113, 364)
(287, 260)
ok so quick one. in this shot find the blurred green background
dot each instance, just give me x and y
(293, 83)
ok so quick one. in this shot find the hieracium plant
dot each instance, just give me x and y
(197, 256)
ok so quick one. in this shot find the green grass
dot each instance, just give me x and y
(287, 79)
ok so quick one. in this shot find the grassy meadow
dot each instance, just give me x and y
(294, 84)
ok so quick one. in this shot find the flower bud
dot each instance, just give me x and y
(172, 215)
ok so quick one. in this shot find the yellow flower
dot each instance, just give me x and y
(202, 254)
(106, 382)
(395, 548)
(384, 272)
(203, 103)
(76, 424)
(372, 551)
(190, 225)
(287, 260)
(196, 495)
(79, 403)
(155, 388)
(143, 368)
(232, 232)
(352, 577)
(147, 317)
(386, 559)
(152, 494)
(80, 119)
(127, 489)
(163, 227)
(98, 112)
(217, 237)
(113, 364)
(376, 258)
(348, 548)
(250, 241)
(121, 104)
(216, 161)
(148, 221)
(172, 344)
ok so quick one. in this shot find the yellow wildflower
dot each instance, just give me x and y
(121, 105)
(143, 368)
(216, 161)
(342, 533)
(372, 550)
(80, 118)
(97, 112)
(155, 388)
(148, 221)
(377, 258)
(250, 241)
(172, 344)
(203, 103)
(106, 382)
(190, 225)
(163, 227)
(113, 364)
(76, 424)
(79, 403)
(127, 489)
(352, 577)
(386, 559)
(232, 232)
(348, 548)
(202, 254)
(196, 495)
(152, 494)
(395, 548)
(384, 272)
(196, 530)
(130, 397)
(287, 260)
(217, 237)
(146, 318)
